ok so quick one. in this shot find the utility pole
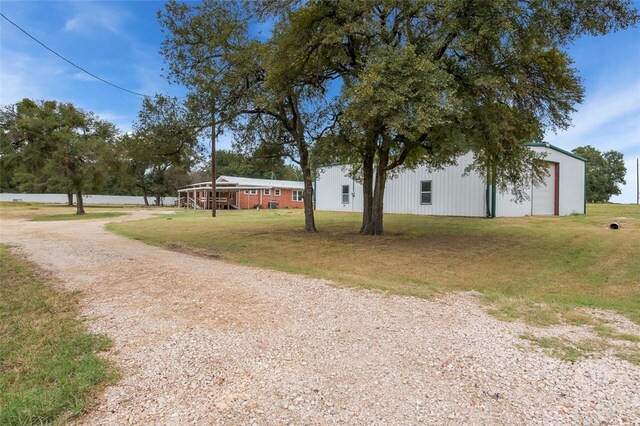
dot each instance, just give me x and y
(637, 180)
(214, 200)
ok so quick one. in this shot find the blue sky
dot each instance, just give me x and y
(120, 42)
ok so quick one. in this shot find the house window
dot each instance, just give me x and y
(296, 195)
(251, 191)
(276, 192)
(425, 192)
(345, 194)
(267, 192)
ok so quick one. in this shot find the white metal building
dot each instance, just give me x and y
(448, 192)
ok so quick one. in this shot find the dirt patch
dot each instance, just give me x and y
(207, 254)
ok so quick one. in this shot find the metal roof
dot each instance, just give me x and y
(252, 183)
(221, 188)
(555, 148)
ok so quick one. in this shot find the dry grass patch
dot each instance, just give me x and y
(87, 216)
(563, 262)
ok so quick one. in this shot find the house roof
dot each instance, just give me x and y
(268, 183)
(255, 183)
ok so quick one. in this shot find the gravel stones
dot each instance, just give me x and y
(200, 341)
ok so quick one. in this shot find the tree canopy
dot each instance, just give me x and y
(50, 146)
(389, 84)
(53, 145)
(231, 163)
(240, 82)
(605, 172)
(163, 147)
(422, 82)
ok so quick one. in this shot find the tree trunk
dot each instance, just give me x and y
(146, 200)
(377, 211)
(367, 190)
(375, 223)
(297, 131)
(69, 197)
(157, 201)
(80, 203)
(307, 194)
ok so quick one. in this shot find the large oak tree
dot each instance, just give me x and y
(424, 81)
(57, 143)
(236, 81)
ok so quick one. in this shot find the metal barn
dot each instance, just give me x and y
(449, 192)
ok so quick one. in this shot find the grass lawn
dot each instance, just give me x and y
(562, 261)
(49, 367)
(39, 211)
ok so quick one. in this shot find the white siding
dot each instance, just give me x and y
(329, 190)
(453, 193)
(571, 182)
(571, 188)
(506, 206)
(543, 197)
(87, 199)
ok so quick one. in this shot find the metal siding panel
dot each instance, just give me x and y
(544, 195)
(452, 193)
(571, 193)
(329, 190)
(571, 188)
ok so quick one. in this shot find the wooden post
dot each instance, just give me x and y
(213, 161)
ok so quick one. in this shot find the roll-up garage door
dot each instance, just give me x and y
(544, 197)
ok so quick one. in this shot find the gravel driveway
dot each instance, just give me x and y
(201, 341)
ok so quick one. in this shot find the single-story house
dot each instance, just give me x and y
(449, 192)
(233, 192)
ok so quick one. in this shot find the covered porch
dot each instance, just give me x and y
(227, 197)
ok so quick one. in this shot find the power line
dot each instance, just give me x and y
(71, 62)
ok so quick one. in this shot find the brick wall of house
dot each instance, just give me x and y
(284, 200)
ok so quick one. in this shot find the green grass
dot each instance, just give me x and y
(56, 217)
(611, 333)
(566, 349)
(49, 363)
(572, 351)
(560, 262)
(538, 314)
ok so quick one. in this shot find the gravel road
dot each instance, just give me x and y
(200, 341)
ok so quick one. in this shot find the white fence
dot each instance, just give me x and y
(87, 199)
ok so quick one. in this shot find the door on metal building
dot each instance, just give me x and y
(545, 196)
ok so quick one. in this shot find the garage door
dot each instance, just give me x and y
(544, 197)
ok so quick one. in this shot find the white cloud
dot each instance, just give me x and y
(122, 121)
(82, 77)
(612, 111)
(91, 18)
(23, 76)
(609, 120)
